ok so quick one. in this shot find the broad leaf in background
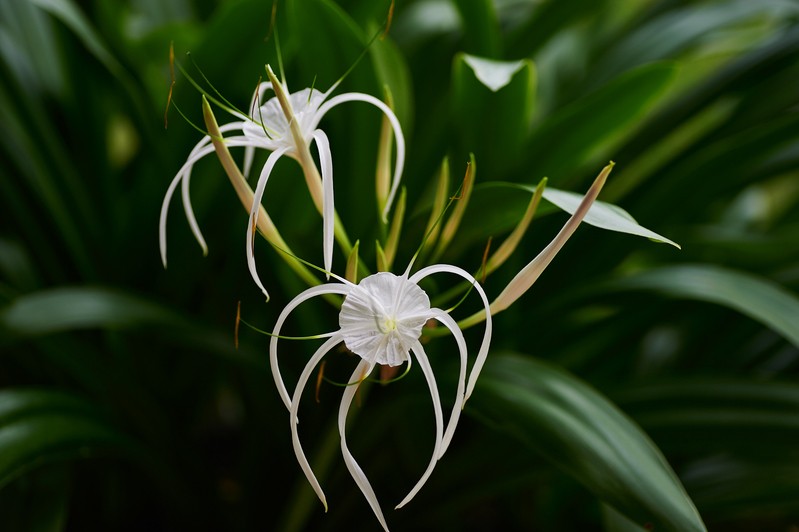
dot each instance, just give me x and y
(584, 434)
(38, 426)
(588, 128)
(492, 106)
(62, 309)
(757, 298)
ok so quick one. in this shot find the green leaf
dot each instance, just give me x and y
(392, 71)
(72, 17)
(602, 215)
(314, 25)
(758, 298)
(39, 426)
(676, 30)
(714, 415)
(40, 503)
(26, 33)
(591, 126)
(492, 107)
(584, 434)
(480, 27)
(62, 309)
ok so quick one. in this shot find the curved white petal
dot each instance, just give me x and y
(424, 363)
(363, 369)
(284, 314)
(254, 208)
(295, 406)
(328, 205)
(183, 176)
(450, 324)
(483, 352)
(398, 138)
(202, 150)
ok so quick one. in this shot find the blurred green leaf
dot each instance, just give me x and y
(613, 521)
(746, 492)
(692, 25)
(753, 296)
(39, 426)
(392, 71)
(492, 106)
(584, 434)
(24, 31)
(480, 27)
(590, 126)
(62, 309)
(71, 16)
(40, 502)
(717, 415)
(316, 24)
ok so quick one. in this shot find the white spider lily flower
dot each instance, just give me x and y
(287, 124)
(381, 321)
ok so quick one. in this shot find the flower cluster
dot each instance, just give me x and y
(382, 317)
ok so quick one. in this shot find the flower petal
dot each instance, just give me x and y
(295, 406)
(483, 352)
(256, 205)
(424, 363)
(450, 324)
(400, 140)
(328, 211)
(309, 293)
(363, 369)
(183, 176)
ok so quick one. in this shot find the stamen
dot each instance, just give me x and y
(485, 260)
(272, 21)
(319, 377)
(388, 20)
(172, 84)
(236, 328)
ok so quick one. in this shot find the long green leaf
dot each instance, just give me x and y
(481, 33)
(753, 296)
(711, 415)
(67, 308)
(39, 426)
(593, 124)
(583, 433)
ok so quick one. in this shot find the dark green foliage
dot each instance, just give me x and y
(644, 381)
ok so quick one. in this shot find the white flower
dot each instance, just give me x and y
(286, 124)
(381, 321)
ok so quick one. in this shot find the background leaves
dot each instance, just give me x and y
(125, 405)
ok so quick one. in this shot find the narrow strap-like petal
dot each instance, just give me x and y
(183, 176)
(483, 353)
(295, 406)
(363, 369)
(450, 324)
(424, 363)
(254, 208)
(328, 205)
(309, 293)
(399, 139)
